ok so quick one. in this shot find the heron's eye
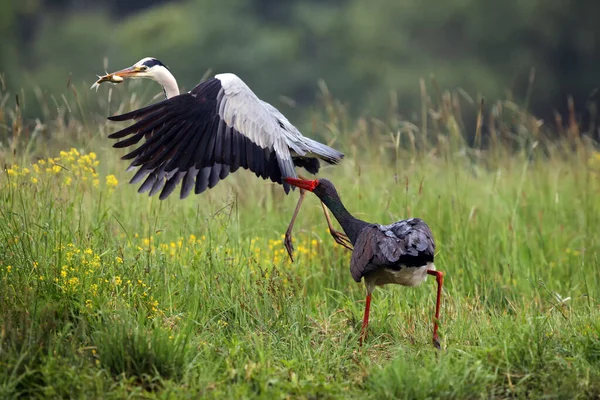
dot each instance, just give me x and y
(144, 68)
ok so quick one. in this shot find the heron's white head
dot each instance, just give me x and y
(148, 67)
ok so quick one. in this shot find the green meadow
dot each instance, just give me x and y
(106, 293)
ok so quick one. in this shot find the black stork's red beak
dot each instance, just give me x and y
(303, 184)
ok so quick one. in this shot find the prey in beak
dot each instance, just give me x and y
(119, 76)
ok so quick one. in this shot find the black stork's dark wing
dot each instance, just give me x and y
(200, 137)
(407, 243)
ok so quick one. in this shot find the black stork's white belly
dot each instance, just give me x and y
(405, 276)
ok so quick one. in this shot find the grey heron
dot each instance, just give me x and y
(198, 138)
(400, 253)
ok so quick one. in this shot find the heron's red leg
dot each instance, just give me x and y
(339, 237)
(288, 233)
(439, 277)
(363, 331)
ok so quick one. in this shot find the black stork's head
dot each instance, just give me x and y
(323, 188)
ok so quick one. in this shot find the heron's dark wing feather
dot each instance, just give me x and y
(193, 179)
(139, 113)
(406, 243)
(188, 143)
(146, 125)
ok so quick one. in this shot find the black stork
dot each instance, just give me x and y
(400, 253)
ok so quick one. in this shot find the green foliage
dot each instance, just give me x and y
(108, 293)
(364, 50)
(129, 350)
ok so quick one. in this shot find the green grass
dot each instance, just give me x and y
(107, 293)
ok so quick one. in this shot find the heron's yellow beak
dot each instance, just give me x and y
(130, 72)
(119, 76)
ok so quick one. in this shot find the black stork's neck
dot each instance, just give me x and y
(351, 225)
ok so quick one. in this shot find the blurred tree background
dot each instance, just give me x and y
(363, 49)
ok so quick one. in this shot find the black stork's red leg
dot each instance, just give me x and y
(363, 331)
(439, 277)
(289, 246)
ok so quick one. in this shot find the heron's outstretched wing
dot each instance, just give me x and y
(200, 137)
(155, 180)
(406, 243)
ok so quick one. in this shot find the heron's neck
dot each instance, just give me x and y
(164, 77)
(351, 225)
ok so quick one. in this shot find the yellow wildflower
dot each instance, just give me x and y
(34, 180)
(111, 181)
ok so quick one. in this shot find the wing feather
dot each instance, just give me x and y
(406, 243)
(364, 252)
(198, 138)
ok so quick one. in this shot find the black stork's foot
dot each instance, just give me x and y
(289, 246)
(436, 343)
(341, 239)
